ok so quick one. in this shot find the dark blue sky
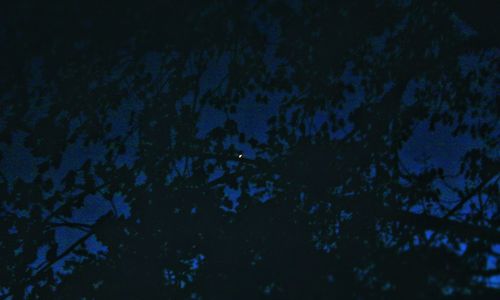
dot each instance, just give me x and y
(439, 146)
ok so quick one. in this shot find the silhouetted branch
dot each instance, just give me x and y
(469, 195)
(81, 226)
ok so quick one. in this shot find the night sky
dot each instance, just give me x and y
(425, 149)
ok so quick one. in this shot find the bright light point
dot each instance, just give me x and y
(240, 156)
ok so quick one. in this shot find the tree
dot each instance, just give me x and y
(328, 206)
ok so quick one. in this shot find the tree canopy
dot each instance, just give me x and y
(129, 117)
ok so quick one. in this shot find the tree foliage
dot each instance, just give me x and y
(327, 205)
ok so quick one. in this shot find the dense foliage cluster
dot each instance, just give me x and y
(108, 98)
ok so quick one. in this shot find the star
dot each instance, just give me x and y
(240, 156)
